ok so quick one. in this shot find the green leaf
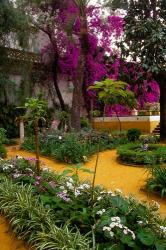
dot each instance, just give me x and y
(146, 236)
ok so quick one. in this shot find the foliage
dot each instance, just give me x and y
(133, 134)
(144, 30)
(114, 92)
(134, 153)
(73, 147)
(42, 209)
(150, 138)
(13, 20)
(85, 123)
(30, 221)
(8, 115)
(157, 180)
(3, 151)
(2, 135)
(35, 109)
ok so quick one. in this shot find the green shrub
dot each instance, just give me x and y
(134, 154)
(85, 122)
(133, 134)
(150, 138)
(3, 151)
(157, 180)
(71, 151)
(2, 135)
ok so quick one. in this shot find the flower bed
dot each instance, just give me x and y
(134, 154)
(54, 211)
(73, 147)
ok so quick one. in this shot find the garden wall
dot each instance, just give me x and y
(145, 123)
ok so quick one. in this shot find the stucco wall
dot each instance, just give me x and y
(145, 123)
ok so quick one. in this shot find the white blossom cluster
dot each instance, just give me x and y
(116, 222)
(100, 212)
(7, 166)
(141, 223)
(77, 190)
(163, 230)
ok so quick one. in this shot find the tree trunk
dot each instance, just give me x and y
(55, 81)
(36, 130)
(55, 70)
(77, 101)
(162, 83)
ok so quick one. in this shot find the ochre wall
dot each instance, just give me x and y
(144, 126)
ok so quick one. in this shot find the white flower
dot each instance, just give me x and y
(84, 186)
(111, 234)
(99, 198)
(125, 231)
(62, 187)
(109, 192)
(106, 228)
(77, 193)
(163, 229)
(140, 222)
(70, 179)
(60, 137)
(69, 185)
(16, 175)
(116, 219)
(103, 192)
(100, 212)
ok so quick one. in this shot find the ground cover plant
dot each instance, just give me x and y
(73, 147)
(157, 180)
(133, 153)
(53, 211)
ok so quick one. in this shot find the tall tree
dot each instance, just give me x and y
(78, 82)
(145, 42)
(44, 17)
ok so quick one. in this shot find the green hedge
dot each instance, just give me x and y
(133, 153)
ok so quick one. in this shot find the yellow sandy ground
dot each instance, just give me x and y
(7, 240)
(110, 174)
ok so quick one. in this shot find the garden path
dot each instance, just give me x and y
(7, 239)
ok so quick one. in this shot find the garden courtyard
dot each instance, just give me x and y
(82, 125)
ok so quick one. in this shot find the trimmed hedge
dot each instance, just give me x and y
(133, 154)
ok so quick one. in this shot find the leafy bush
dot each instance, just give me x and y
(150, 138)
(133, 134)
(2, 135)
(38, 214)
(85, 123)
(3, 151)
(133, 153)
(8, 115)
(71, 147)
(157, 180)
